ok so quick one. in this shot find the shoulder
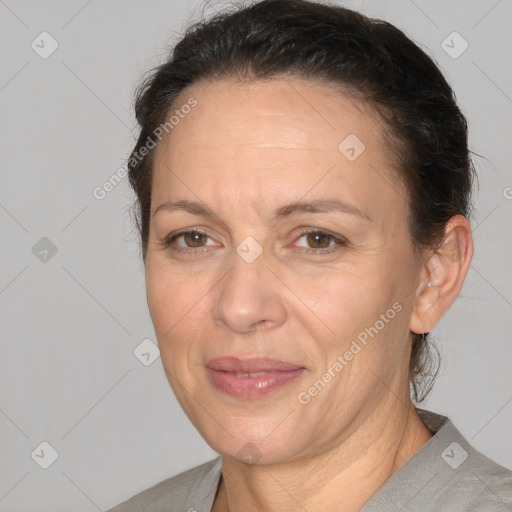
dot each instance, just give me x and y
(464, 479)
(480, 483)
(447, 474)
(190, 490)
(469, 477)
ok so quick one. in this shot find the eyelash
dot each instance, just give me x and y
(339, 241)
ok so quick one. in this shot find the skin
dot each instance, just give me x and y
(246, 150)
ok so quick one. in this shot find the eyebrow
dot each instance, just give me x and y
(299, 207)
(320, 206)
(189, 206)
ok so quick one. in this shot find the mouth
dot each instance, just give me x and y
(244, 374)
(251, 378)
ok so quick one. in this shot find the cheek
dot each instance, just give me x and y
(177, 307)
(180, 308)
(171, 298)
(357, 316)
(343, 302)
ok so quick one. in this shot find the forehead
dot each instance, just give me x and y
(261, 135)
(293, 113)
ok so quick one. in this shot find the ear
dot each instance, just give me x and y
(442, 275)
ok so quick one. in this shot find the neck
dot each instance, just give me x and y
(350, 474)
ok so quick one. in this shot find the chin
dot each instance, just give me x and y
(252, 441)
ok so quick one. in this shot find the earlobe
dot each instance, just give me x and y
(442, 275)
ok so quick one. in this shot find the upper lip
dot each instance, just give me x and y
(250, 365)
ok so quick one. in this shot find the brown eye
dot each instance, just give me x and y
(188, 239)
(194, 239)
(319, 240)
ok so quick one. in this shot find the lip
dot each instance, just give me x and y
(250, 365)
(271, 374)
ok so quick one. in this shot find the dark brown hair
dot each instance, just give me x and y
(369, 58)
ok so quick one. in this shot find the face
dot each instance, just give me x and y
(280, 272)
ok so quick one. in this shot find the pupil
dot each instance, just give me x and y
(194, 239)
(318, 240)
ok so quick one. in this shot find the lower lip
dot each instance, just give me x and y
(252, 387)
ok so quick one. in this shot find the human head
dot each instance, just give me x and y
(371, 61)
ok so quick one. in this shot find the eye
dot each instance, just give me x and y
(188, 241)
(317, 241)
(193, 238)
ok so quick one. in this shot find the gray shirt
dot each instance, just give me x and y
(445, 474)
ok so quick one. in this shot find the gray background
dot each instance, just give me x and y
(70, 324)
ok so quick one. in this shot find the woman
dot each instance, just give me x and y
(303, 183)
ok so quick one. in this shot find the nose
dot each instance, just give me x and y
(248, 298)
